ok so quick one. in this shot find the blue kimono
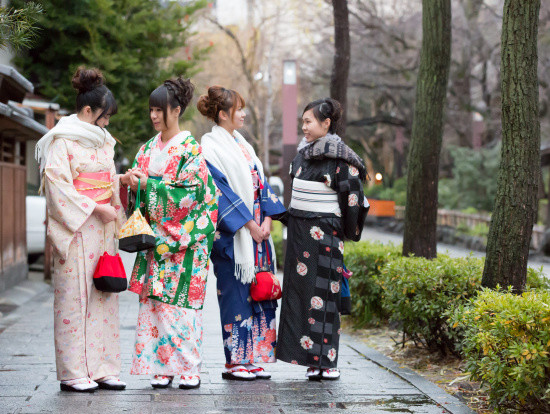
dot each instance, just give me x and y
(248, 327)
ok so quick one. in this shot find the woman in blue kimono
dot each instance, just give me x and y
(246, 206)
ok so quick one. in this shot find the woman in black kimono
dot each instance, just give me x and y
(327, 207)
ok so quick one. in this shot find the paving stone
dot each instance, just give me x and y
(28, 381)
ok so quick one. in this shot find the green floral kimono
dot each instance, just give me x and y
(181, 205)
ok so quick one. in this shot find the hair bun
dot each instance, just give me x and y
(335, 110)
(182, 88)
(85, 80)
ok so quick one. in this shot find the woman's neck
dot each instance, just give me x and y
(228, 129)
(169, 133)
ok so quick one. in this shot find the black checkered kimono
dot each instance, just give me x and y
(327, 207)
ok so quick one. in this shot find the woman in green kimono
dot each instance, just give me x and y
(180, 204)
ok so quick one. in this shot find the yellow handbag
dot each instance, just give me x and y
(136, 234)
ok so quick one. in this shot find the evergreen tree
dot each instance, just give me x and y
(18, 26)
(131, 41)
(516, 200)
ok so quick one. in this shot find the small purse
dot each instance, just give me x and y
(109, 275)
(265, 286)
(136, 234)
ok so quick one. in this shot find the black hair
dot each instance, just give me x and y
(92, 92)
(326, 108)
(173, 92)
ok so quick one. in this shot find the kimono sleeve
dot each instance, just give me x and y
(183, 211)
(67, 209)
(269, 202)
(351, 199)
(119, 191)
(65, 204)
(232, 212)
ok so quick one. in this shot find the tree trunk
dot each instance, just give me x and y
(516, 200)
(340, 68)
(425, 147)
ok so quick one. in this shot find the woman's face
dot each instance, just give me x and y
(93, 117)
(157, 117)
(312, 128)
(235, 122)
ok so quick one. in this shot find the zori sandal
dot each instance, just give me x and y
(238, 373)
(79, 385)
(259, 372)
(313, 374)
(161, 381)
(330, 374)
(111, 383)
(189, 383)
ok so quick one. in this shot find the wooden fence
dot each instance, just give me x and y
(454, 218)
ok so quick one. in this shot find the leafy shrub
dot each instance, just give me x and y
(365, 259)
(507, 345)
(397, 193)
(417, 292)
(277, 236)
(536, 279)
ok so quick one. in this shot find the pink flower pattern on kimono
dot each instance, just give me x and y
(306, 342)
(301, 269)
(316, 233)
(168, 340)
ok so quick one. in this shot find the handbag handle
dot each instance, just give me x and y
(266, 252)
(138, 201)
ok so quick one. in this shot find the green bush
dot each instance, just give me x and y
(507, 345)
(365, 259)
(417, 292)
(397, 193)
(536, 279)
(277, 236)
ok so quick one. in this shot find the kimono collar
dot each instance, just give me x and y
(332, 146)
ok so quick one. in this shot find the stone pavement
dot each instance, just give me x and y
(370, 382)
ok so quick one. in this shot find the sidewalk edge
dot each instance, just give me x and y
(431, 390)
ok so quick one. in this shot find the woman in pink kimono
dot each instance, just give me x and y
(84, 213)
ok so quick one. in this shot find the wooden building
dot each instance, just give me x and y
(17, 127)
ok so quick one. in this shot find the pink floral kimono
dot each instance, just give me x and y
(86, 321)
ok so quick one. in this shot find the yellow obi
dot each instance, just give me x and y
(96, 186)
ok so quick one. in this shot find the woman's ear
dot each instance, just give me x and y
(326, 124)
(223, 116)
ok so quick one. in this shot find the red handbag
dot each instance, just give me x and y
(109, 275)
(265, 286)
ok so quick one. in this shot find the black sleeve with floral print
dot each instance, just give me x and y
(351, 198)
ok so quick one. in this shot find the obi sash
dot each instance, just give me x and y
(314, 196)
(96, 185)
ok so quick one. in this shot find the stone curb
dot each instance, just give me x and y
(432, 391)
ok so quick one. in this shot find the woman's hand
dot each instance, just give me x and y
(255, 231)
(266, 227)
(125, 179)
(105, 212)
(135, 175)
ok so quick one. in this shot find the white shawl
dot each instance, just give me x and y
(70, 127)
(222, 151)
